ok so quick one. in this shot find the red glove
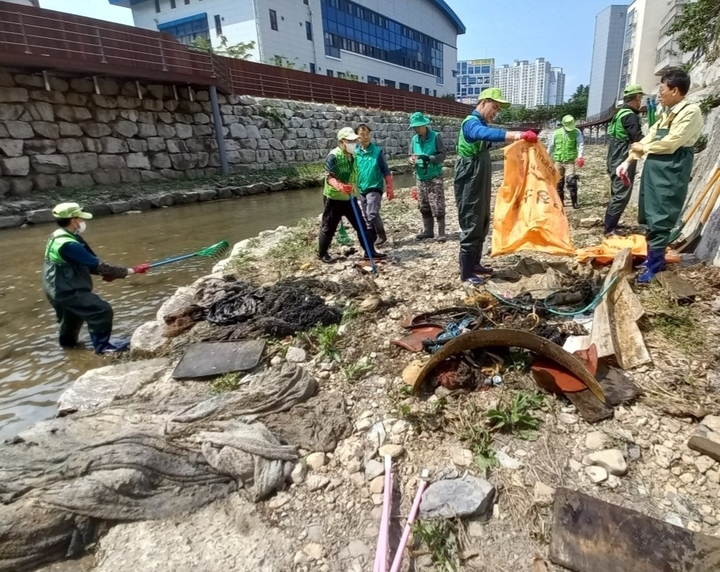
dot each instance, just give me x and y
(389, 188)
(529, 136)
(141, 268)
(580, 162)
(414, 194)
(347, 188)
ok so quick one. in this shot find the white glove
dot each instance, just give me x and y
(622, 170)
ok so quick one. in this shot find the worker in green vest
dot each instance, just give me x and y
(624, 130)
(669, 150)
(473, 179)
(427, 154)
(67, 281)
(566, 148)
(339, 190)
(374, 176)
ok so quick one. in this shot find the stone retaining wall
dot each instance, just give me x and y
(80, 133)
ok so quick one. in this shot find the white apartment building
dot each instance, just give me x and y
(531, 84)
(406, 44)
(473, 76)
(642, 33)
(668, 53)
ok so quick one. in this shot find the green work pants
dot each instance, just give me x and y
(619, 194)
(82, 306)
(663, 190)
(473, 191)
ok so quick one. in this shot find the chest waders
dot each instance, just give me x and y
(68, 288)
(566, 152)
(618, 150)
(663, 190)
(473, 191)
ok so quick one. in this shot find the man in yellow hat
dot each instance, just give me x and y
(427, 154)
(473, 178)
(67, 281)
(623, 131)
(567, 147)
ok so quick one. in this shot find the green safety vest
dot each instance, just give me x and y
(369, 174)
(566, 147)
(616, 128)
(61, 278)
(427, 147)
(346, 173)
(465, 149)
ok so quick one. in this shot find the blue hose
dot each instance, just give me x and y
(361, 223)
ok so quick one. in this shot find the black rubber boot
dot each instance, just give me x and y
(467, 273)
(441, 229)
(427, 228)
(561, 189)
(611, 223)
(380, 230)
(324, 243)
(478, 268)
(103, 345)
(573, 188)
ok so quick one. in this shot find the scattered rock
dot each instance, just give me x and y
(674, 520)
(470, 496)
(299, 473)
(694, 526)
(543, 494)
(296, 355)
(394, 451)
(317, 482)
(377, 435)
(412, 371)
(612, 460)
(597, 474)
(314, 551)
(377, 485)
(590, 222)
(664, 456)
(316, 460)
(508, 462)
(595, 440)
(370, 304)
(704, 464)
(279, 500)
(567, 418)
(148, 340)
(575, 466)
(462, 457)
(374, 469)
(711, 422)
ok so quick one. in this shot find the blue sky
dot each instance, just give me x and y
(559, 30)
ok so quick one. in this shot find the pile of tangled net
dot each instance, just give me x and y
(143, 460)
(239, 309)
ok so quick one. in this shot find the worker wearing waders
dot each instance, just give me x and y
(427, 154)
(473, 178)
(373, 176)
(339, 190)
(668, 148)
(69, 264)
(566, 148)
(624, 130)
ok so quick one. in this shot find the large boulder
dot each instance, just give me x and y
(148, 340)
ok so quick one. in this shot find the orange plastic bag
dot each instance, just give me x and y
(606, 252)
(529, 214)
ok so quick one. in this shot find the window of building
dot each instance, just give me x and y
(434, 92)
(405, 86)
(389, 83)
(312, 68)
(187, 2)
(351, 27)
(172, 4)
(427, 91)
(472, 80)
(330, 73)
(218, 25)
(306, 2)
(188, 29)
(308, 31)
(486, 69)
(373, 80)
(273, 20)
(157, 6)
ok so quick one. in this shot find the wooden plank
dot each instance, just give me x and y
(628, 341)
(590, 535)
(705, 446)
(679, 289)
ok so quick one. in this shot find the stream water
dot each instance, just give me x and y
(34, 370)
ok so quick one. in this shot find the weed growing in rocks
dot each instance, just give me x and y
(518, 417)
(350, 313)
(356, 370)
(325, 338)
(297, 245)
(442, 540)
(225, 383)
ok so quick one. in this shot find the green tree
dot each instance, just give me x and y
(576, 105)
(698, 28)
(282, 62)
(239, 51)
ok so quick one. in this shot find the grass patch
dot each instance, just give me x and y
(477, 438)
(356, 370)
(324, 338)
(350, 313)
(678, 324)
(243, 262)
(442, 540)
(517, 418)
(225, 383)
(297, 244)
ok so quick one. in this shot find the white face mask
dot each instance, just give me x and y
(81, 228)
(350, 147)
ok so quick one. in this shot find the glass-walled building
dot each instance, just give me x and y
(473, 76)
(410, 45)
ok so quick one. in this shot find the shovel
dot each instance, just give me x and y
(689, 243)
(677, 231)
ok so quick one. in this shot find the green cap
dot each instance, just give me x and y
(495, 95)
(568, 122)
(417, 119)
(633, 89)
(70, 210)
(347, 134)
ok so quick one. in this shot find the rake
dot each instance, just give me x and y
(216, 251)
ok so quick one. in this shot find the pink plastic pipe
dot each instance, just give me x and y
(381, 556)
(397, 562)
